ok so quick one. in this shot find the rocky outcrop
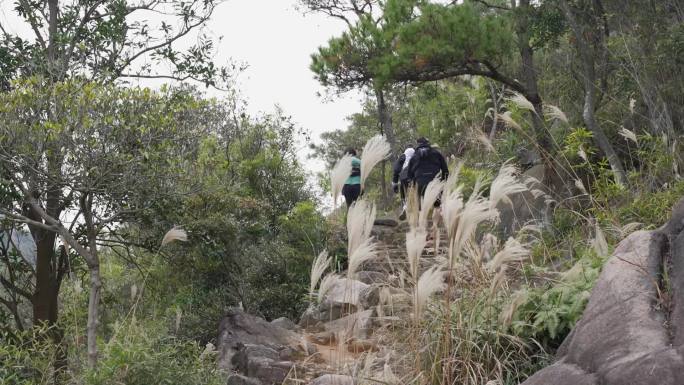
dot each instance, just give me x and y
(632, 330)
(260, 351)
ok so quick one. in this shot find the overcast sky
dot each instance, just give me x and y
(275, 40)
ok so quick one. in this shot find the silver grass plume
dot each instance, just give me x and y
(365, 252)
(320, 264)
(429, 283)
(505, 184)
(513, 251)
(507, 118)
(432, 191)
(599, 243)
(360, 218)
(555, 113)
(629, 135)
(339, 175)
(416, 239)
(327, 283)
(175, 234)
(521, 101)
(375, 150)
(476, 211)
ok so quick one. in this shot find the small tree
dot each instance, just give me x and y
(120, 151)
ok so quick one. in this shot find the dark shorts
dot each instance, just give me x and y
(351, 193)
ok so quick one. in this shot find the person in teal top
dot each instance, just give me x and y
(352, 187)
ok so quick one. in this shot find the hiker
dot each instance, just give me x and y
(426, 163)
(400, 177)
(352, 187)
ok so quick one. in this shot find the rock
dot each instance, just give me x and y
(360, 346)
(241, 357)
(284, 323)
(268, 371)
(622, 337)
(236, 379)
(238, 329)
(358, 325)
(388, 222)
(323, 338)
(310, 319)
(333, 379)
(371, 277)
(524, 207)
(345, 291)
(370, 296)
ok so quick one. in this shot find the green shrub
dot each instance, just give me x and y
(27, 358)
(549, 313)
(144, 354)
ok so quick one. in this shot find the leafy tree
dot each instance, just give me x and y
(83, 159)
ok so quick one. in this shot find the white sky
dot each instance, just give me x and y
(275, 40)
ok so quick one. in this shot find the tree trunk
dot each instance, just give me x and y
(385, 119)
(93, 302)
(589, 83)
(528, 71)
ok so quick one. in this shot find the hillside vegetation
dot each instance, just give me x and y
(132, 219)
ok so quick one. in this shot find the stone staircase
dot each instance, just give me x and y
(351, 334)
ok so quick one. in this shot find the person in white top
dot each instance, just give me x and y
(400, 178)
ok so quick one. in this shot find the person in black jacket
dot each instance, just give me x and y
(425, 165)
(400, 178)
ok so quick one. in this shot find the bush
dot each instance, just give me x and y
(144, 354)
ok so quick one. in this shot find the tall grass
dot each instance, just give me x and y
(339, 175)
(376, 150)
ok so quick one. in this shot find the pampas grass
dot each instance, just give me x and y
(429, 283)
(416, 239)
(432, 192)
(360, 218)
(364, 252)
(505, 184)
(629, 135)
(508, 120)
(339, 175)
(320, 264)
(327, 283)
(375, 150)
(599, 242)
(474, 212)
(513, 251)
(175, 234)
(521, 101)
(555, 113)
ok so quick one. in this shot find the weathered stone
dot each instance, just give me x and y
(323, 338)
(239, 328)
(268, 371)
(388, 222)
(237, 379)
(358, 325)
(370, 296)
(622, 337)
(310, 319)
(333, 379)
(284, 323)
(245, 352)
(371, 277)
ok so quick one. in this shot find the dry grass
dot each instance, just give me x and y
(175, 234)
(376, 150)
(555, 113)
(429, 283)
(416, 239)
(339, 175)
(320, 264)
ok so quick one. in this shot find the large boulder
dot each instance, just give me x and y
(239, 329)
(632, 331)
(525, 207)
(333, 379)
(358, 325)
